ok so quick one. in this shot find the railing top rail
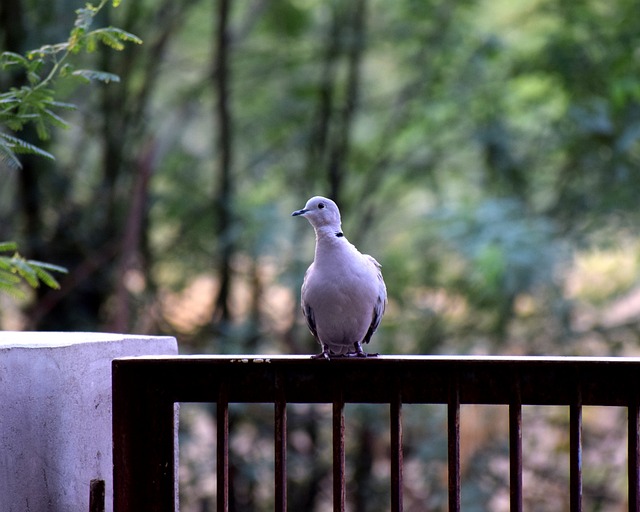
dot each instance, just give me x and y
(417, 379)
(260, 358)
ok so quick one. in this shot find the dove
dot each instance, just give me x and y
(343, 293)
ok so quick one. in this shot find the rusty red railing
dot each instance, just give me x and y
(145, 390)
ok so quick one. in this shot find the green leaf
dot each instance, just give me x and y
(63, 105)
(84, 17)
(47, 266)
(25, 271)
(47, 50)
(41, 129)
(8, 159)
(100, 76)
(8, 284)
(15, 145)
(108, 39)
(14, 269)
(13, 59)
(123, 35)
(8, 246)
(46, 277)
(114, 37)
(54, 119)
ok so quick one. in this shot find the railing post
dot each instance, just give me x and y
(575, 456)
(395, 414)
(453, 432)
(339, 488)
(222, 427)
(515, 451)
(633, 461)
(96, 495)
(143, 442)
(280, 446)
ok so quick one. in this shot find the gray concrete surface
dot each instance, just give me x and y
(55, 415)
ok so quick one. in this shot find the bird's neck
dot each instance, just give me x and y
(328, 239)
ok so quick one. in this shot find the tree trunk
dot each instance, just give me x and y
(224, 195)
(341, 146)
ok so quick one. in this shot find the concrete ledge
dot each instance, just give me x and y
(55, 415)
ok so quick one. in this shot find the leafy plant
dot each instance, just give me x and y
(34, 102)
(15, 269)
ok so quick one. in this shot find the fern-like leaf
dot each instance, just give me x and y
(123, 35)
(84, 17)
(46, 278)
(15, 145)
(8, 285)
(47, 50)
(8, 159)
(54, 119)
(12, 59)
(47, 266)
(11, 146)
(8, 246)
(100, 76)
(15, 269)
(25, 271)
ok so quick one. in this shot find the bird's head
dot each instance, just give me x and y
(320, 212)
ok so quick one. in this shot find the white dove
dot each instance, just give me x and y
(343, 293)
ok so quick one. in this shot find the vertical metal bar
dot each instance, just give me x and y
(96, 496)
(339, 492)
(280, 445)
(222, 413)
(453, 432)
(143, 441)
(575, 456)
(395, 416)
(633, 461)
(515, 455)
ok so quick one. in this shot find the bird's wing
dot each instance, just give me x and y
(306, 308)
(381, 302)
(309, 317)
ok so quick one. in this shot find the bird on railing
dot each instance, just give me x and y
(343, 293)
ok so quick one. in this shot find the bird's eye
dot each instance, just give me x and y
(321, 206)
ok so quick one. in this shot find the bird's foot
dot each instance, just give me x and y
(328, 354)
(323, 355)
(359, 352)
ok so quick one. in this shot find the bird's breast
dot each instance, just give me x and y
(340, 289)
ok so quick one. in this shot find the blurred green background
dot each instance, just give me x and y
(487, 153)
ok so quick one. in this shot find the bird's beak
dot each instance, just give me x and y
(299, 212)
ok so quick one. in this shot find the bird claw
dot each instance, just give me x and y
(325, 354)
(361, 354)
(358, 352)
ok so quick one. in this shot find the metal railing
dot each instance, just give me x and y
(145, 390)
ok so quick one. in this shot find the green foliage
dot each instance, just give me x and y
(15, 269)
(34, 102)
(508, 252)
(11, 146)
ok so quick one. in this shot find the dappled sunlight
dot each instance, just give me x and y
(599, 275)
(191, 308)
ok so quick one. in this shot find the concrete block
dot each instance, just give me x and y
(55, 415)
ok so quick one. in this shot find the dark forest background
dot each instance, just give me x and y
(487, 153)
